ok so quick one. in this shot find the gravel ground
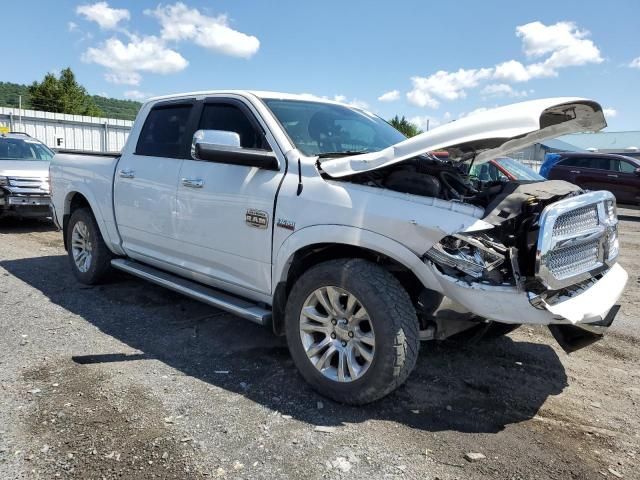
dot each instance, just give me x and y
(127, 380)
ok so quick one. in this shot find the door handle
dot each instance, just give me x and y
(612, 176)
(575, 171)
(127, 173)
(193, 182)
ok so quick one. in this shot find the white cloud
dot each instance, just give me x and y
(391, 96)
(180, 22)
(635, 63)
(553, 47)
(609, 112)
(100, 12)
(140, 54)
(338, 98)
(445, 85)
(136, 95)
(473, 112)
(72, 26)
(502, 90)
(512, 71)
(424, 122)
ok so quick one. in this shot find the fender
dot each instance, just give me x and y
(107, 229)
(354, 236)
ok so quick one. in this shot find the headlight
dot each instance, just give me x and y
(610, 211)
(467, 255)
(4, 181)
(613, 244)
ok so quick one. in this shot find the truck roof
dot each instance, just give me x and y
(256, 93)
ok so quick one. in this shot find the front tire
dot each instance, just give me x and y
(352, 330)
(89, 256)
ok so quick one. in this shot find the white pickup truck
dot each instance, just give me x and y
(322, 221)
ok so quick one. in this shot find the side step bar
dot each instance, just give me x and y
(202, 293)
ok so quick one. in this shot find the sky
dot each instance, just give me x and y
(432, 61)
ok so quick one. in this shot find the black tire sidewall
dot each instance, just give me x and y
(99, 250)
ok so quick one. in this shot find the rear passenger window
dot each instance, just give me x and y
(223, 116)
(163, 133)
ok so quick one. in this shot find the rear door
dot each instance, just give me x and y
(225, 211)
(146, 183)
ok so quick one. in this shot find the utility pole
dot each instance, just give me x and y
(20, 112)
(428, 119)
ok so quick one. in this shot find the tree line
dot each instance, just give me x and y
(63, 94)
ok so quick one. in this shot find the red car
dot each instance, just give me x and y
(597, 171)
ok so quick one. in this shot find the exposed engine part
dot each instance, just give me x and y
(514, 208)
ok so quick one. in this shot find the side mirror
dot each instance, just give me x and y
(637, 171)
(224, 147)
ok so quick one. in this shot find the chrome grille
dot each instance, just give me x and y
(28, 185)
(576, 222)
(573, 260)
(577, 238)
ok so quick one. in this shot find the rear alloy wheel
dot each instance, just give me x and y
(90, 258)
(352, 330)
(81, 247)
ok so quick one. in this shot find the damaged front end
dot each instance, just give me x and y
(549, 256)
(550, 259)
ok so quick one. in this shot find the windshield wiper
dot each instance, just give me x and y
(341, 154)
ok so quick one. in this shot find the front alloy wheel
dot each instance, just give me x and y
(352, 330)
(337, 334)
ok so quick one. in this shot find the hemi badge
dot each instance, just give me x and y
(286, 224)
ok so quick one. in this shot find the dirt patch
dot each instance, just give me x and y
(82, 428)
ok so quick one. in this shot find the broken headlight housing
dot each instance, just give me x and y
(468, 255)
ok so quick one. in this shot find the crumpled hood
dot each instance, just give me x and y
(489, 134)
(24, 168)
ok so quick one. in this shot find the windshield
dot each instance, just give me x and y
(490, 172)
(24, 149)
(318, 128)
(518, 170)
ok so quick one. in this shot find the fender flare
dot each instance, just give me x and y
(97, 213)
(352, 236)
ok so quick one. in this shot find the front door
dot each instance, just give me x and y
(146, 184)
(225, 211)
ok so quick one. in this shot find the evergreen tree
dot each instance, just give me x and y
(62, 95)
(405, 126)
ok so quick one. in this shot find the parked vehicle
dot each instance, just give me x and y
(503, 169)
(24, 176)
(597, 171)
(322, 221)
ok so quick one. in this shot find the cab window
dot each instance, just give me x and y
(227, 117)
(164, 132)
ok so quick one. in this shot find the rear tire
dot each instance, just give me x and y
(89, 256)
(365, 343)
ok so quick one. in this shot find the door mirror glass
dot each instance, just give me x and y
(224, 147)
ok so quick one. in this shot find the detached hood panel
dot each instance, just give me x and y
(489, 134)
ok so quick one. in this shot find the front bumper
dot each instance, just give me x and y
(506, 304)
(25, 205)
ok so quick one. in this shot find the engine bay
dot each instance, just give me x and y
(503, 255)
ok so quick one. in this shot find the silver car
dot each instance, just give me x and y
(24, 176)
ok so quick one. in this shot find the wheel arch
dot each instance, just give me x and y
(313, 245)
(75, 200)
